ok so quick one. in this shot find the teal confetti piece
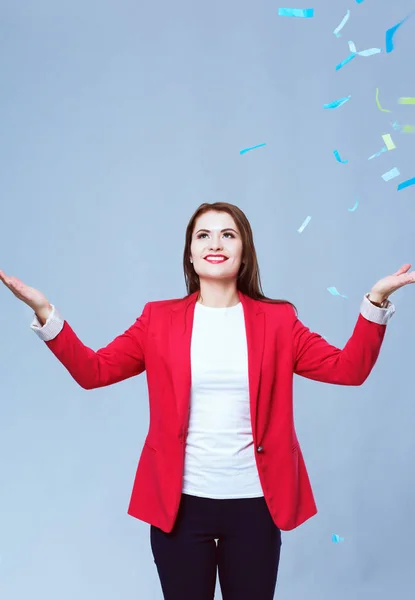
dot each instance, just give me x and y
(337, 103)
(391, 174)
(304, 225)
(345, 61)
(384, 149)
(368, 52)
(354, 207)
(333, 291)
(359, 1)
(337, 155)
(406, 183)
(336, 539)
(252, 148)
(342, 24)
(303, 13)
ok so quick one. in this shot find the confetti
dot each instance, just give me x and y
(304, 13)
(369, 52)
(304, 225)
(342, 24)
(333, 291)
(378, 103)
(354, 207)
(337, 155)
(391, 174)
(406, 100)
(345, 61)
(252, 148)
(391, 32)
(406, 183)
(408, 129)
(388, 141)
(337, 103)
(336, 538)
(384, 149)
(396, 126)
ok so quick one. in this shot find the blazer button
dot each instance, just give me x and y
(260, 449)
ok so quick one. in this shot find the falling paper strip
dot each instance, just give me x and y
(406, 100)
(384, 149)
(345, 61)
(333, 291)
(391, 174)
(342, 24)
(406, 183)
(408, 129)
(304, 13)
(377, 102)
(354, 207)
(369, 52)
(253, 148)
(388, 141)
(336, 538)
(391, 32)
(337, 155)
(304, 225)
(337, 103)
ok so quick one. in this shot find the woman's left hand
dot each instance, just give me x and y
(386, 286)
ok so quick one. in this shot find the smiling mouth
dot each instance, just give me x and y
(212, 260)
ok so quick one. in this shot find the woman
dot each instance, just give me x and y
(221, 460)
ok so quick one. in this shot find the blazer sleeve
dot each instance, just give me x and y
(315, 358)
(121, 359)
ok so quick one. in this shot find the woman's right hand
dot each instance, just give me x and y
(33, 298)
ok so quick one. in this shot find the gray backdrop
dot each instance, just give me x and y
(117, 120)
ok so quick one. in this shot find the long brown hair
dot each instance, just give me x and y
(249, 281)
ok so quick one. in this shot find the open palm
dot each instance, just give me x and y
(30, 296)
(386, 286)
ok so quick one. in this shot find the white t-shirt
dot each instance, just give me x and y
(219, 456)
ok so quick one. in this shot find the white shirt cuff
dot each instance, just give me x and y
(51, 328)
(375, 314)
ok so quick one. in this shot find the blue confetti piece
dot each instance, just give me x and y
(333, 291)
(406, 183)
(342, 24)
(337, 103)
(303, 13)
(337, 155)
(391, 174)
(391, 32)
(252, 148)
(345, 61)
(304, 225)
(336, 539)
(359, 1)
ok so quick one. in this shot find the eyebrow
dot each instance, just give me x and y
(222, 230)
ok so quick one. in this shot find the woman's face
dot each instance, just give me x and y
(216, 233)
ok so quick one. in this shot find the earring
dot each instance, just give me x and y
(191, 260)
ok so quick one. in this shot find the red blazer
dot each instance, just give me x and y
(279, 345)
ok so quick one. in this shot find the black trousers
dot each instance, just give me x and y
(246, 556)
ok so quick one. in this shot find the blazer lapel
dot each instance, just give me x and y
(180, 336)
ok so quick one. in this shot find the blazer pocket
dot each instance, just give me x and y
(149, 446)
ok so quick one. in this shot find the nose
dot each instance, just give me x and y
(216, 243)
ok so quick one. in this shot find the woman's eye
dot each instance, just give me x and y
(202, 234)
